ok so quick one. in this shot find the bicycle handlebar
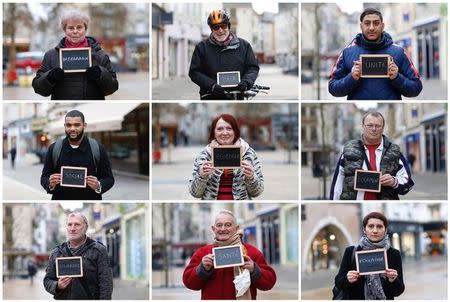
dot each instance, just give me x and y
(260, 87)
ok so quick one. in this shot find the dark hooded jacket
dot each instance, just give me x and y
(96, 283)
(341, 83)
(209, 58)
(76, 86)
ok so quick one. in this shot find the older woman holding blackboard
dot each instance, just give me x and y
(242, 181)
(93, 79)
(351, 284)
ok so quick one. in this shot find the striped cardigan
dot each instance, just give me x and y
(208, 187)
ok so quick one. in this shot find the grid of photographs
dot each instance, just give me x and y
(280, 150)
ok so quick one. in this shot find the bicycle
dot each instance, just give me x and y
(242, 95)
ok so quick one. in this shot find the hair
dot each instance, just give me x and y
(370, 11)
(72, 15)
(376, 215)
(230, 120)
(372, 113)
(78, 214)
(227, 212)
(75, 113)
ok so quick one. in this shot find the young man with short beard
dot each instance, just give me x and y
(78, 151)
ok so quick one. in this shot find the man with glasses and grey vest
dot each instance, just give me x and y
(372, 152)
(77, 150)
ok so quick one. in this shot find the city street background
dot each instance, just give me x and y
(175, 34)
(121, 29)
(327, 28)
(170, 180)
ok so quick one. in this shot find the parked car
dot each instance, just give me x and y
(31, 59)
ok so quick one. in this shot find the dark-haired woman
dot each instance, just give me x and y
(226, 184)
(384, 286)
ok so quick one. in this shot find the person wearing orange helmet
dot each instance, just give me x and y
(222, 51)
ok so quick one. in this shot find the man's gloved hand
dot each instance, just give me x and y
(218, 90)
(93, 72)
(242, 86)
(55, 75)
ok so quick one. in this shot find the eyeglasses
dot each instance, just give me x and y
(371, 126)
(223, 26)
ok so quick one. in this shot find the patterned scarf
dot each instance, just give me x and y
(373, 289)
(223, 43)
(235, 240)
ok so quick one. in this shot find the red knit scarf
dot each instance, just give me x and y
(84, 43)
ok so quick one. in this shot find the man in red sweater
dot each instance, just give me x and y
(218, 283)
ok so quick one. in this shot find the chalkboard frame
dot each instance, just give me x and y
(363, 75)
(58, 259)
(62, 184)
(62, 50)
(228, 72)
(375, 251)
(359, 172)
(226, 147)
(241, 260)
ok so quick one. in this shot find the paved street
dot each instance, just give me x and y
(170, 178)
(132, 86)
(432, 90)
(21, 289)
(428, 186)
(23, 183)
(424, 280)
(282, 87)
(286, 287)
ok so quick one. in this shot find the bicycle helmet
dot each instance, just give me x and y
(218, 16)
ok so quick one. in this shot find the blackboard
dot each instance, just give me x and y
(73, 177)
(375, 66)
(228, 256)
(227, 157)
(75, 59)
(368, 181)
(69, 266)
(371, 261)
(228, 78)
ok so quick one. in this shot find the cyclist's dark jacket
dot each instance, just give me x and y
(341, 83)
(208, 59)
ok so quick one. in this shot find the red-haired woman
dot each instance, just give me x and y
(226, 184)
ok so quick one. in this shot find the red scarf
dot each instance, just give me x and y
(84, 43)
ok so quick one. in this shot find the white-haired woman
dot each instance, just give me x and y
(95, 83)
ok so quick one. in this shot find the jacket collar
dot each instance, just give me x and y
(91, 41)
(385, 41)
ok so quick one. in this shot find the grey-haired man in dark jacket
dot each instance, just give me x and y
(96, 283)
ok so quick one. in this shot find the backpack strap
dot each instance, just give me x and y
(56, 151)
(95, 148)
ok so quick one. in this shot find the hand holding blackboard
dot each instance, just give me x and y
(73, 177)
(227, 156)
(75, 59)
(371, 261)
(228, 256)
(69, 266)
(375, 66)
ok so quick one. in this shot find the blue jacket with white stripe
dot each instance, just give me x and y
(341, 83)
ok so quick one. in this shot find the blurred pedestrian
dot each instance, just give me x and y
(242, 183)
(96, 282)
(345, 78)
(222, 51)
(411, 160)
(32, 270)
(217, 283)
(79, 151)
(95, 83)
(372, 152)
(13, 153)
(384, 286)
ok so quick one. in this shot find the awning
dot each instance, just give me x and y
(98, 116)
